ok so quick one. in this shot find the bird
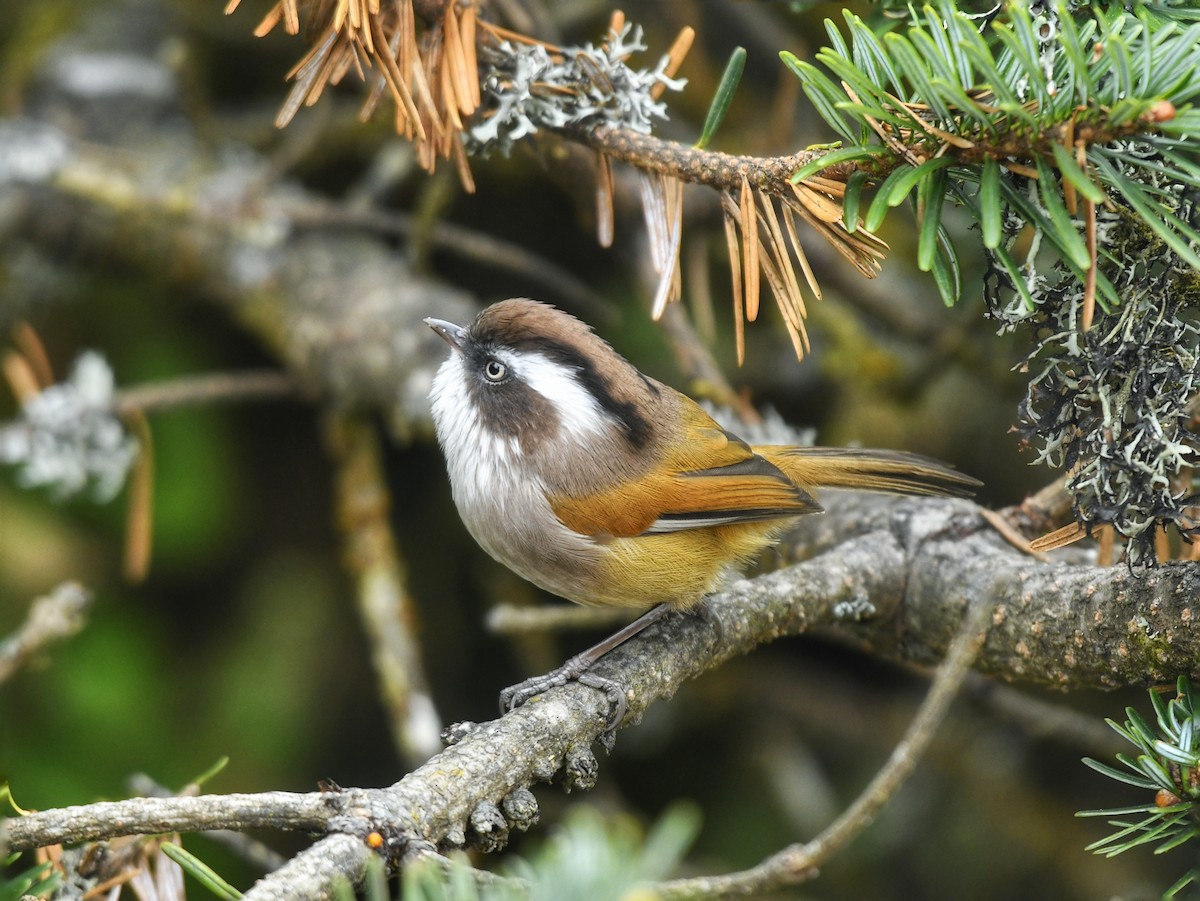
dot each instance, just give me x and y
(607, 487)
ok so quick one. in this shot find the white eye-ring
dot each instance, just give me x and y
(495, 371)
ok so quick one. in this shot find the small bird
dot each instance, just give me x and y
(606, 487)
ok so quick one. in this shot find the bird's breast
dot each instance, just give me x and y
(503, 503)
(515, 524)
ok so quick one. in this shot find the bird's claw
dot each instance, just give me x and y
(517, 695)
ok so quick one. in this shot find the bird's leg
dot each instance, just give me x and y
(576, 669)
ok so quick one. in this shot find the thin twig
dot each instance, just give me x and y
(706, 167)
(246, 847)
(198, 390)
(1012, 534)
(510, 619)
(798, 863)
(384, 604)
(462, 242)
(294, 811)
(52, 617)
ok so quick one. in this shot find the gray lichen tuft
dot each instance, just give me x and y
(1111, 405)
(67, 437)
(527, 88)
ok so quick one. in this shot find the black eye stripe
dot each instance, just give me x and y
(636, 427)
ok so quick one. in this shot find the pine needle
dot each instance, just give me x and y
(1068, 534)
(789, 220)
(729, 211)
(669, 285)
(675, 57)
(604, 200)
(748, 222)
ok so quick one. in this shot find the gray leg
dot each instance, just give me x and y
(576, 669)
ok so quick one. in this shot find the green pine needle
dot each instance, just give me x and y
(723, 98)
(1169, 765)
(200, 871)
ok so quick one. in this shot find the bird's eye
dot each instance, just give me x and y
(494, 371)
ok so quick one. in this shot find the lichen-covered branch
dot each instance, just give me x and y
(1061, 625)
(718, 170)
(490, 762)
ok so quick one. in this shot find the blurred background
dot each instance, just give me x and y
(244, 639)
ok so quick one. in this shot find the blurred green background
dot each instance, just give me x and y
(244, 640)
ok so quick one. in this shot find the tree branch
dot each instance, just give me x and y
(489, 762)
(248, 848)
(893, 572)
(52, 617)
(1061, 625)
(208, 388)
(702, 167)
(315, 871)
(340, 309)
(147, 816)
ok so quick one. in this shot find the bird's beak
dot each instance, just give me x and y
(454, 335)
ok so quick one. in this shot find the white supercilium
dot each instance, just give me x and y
(579, 415)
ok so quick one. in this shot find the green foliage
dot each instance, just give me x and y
(1168, 762)
(40, 880)
(948, 93)
(1068, 133)
(589, 859)
(723, 97)
(200, 871)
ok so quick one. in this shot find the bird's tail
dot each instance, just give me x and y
(894, 472)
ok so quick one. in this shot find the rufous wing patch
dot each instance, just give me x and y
(709, 478)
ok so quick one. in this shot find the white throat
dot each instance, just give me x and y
(479, 460)
(500, 496)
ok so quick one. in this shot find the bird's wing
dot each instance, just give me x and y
(710, 478)
(895, 472)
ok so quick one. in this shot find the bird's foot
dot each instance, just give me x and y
(517, 695)
(577, 669)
